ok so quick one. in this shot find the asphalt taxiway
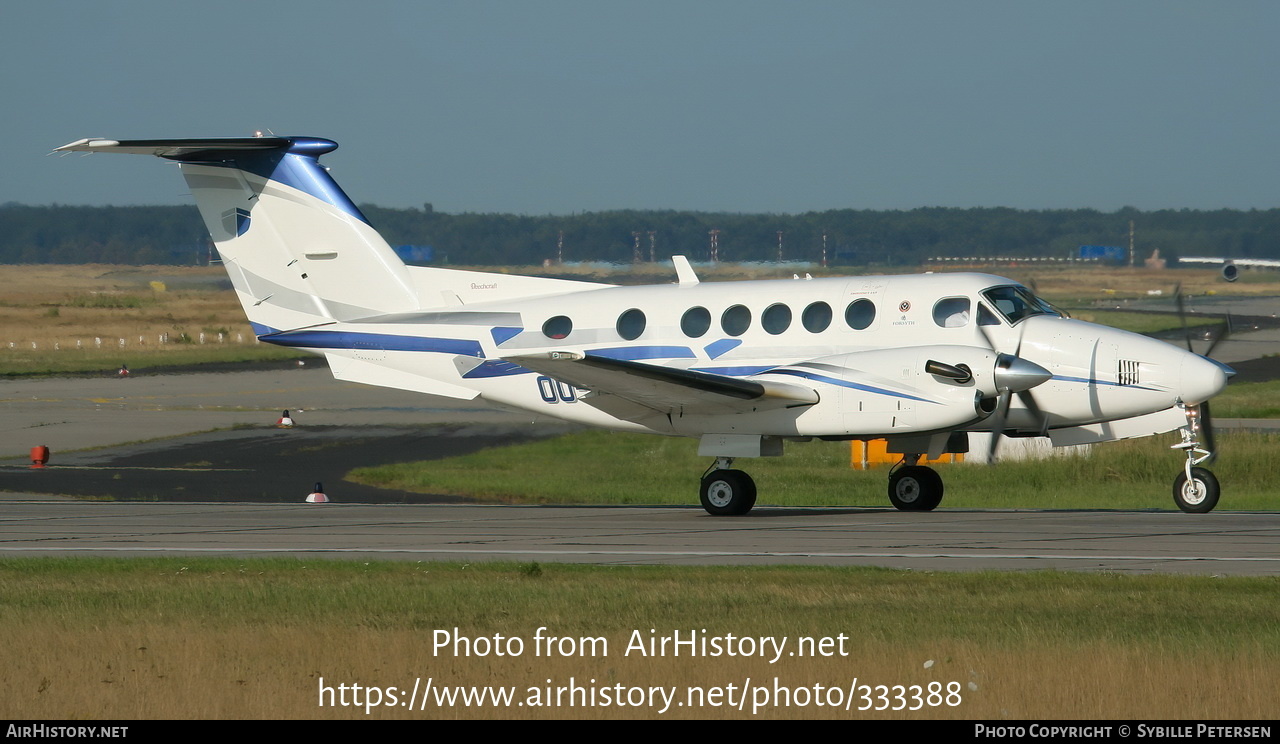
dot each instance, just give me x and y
(1135, 542)
(238, 491)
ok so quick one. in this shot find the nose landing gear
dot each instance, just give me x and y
(1195, 490)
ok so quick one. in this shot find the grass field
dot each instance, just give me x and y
(59, 319)
(613, 468)
(1249, 400)
(252, 639)
(1141, 322)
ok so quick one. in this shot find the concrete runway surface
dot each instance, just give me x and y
(239, 492)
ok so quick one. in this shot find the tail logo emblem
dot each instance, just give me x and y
(236, 221)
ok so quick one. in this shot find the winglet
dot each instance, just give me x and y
(684, 272)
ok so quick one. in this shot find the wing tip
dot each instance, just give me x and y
(88, 144)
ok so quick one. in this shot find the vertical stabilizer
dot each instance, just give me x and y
(297, 249)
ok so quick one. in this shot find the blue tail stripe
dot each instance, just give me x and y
(262, 330)
(293, 161)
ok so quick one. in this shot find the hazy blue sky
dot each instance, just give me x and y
(565, 106)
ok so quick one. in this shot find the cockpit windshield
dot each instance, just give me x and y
(1016, 303)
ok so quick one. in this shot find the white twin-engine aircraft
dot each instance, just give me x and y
(918, 360)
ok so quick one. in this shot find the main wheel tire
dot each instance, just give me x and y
(1198, 495)
(915, 488)
(728, 493)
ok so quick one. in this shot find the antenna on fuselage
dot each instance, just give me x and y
(684, 272)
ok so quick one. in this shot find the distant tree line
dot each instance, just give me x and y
(61, 234)
(176, 235)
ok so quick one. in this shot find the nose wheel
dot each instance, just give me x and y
(1197, 492)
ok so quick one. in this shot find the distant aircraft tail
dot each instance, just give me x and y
(298, 251)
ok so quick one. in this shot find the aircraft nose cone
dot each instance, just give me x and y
(1017, 374)
(1202, 378)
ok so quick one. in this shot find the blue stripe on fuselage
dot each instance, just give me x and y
(503, 334)
(382, 341)
(743, 371)
(723, 346)
(496, 368)
(1095, 381)
(635, 353)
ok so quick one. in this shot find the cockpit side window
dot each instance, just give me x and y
(986, 317)
(951, 312)
(1016, 303)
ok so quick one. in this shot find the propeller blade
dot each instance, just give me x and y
(1029, 401)
(1224, 330)
(997, 428)
(986, 336)
(1182, 314)
(1206, 432)
(1014, 374)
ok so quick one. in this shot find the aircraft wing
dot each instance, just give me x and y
(635, 390)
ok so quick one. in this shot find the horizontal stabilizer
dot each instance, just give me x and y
(371, 373)
(177, 149)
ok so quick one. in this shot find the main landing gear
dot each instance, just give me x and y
(730, 493)
(1195, 490)
(725, 492)
(914, 487)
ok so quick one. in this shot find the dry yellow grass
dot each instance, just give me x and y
(173, 669)
(209, 638)
(83, 318)
(63, 304)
